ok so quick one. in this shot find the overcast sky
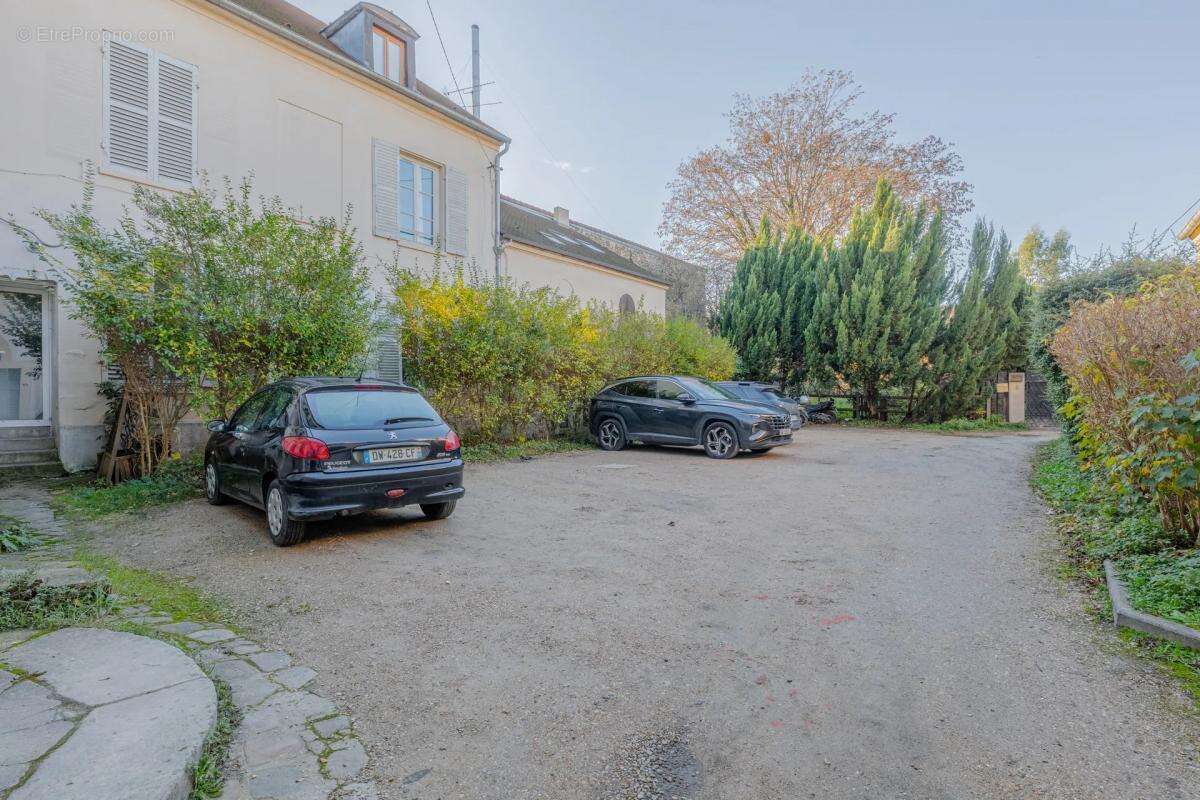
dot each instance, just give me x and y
(1084, 115)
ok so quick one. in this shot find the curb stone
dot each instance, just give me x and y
(1126, 616)
(292, 744)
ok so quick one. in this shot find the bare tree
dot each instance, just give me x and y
(799, 157)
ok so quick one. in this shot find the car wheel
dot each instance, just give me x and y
(611, 434)
(720, 440)
(284, 531)
(437, 510)
(212, 485)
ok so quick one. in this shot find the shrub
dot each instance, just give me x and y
(1051, 305)
(201, 299)
(1134, 382)
(503, 363)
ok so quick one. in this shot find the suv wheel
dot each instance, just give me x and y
(611, 434)
(212, 485)
(284, 531)
(720, 440)
(437, 510)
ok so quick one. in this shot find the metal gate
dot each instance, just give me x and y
(1038, 408)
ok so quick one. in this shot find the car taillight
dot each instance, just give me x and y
(452, 442)
(305, 447)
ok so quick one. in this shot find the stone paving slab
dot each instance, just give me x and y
(90, 713)
(95, 666)
(141, 747)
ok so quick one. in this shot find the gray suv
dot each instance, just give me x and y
(680, 410)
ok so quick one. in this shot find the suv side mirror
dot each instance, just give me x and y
(686, 399)
(217, 426)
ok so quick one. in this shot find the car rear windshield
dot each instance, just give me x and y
(353, 408)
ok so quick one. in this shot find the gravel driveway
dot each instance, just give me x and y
(864, 614)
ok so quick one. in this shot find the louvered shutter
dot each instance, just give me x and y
(176, 123)
(127, 100)
(456, 212)
(384, 188)
(390, 360)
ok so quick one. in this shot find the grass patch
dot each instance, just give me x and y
(958, 425)
(175, 480)
(27, 602)
(162, 594)
(208, 777)
(486, 453)
(1095, 525)
(17, 535)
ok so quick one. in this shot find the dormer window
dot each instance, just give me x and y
(388, 56)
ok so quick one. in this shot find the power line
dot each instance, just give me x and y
(554, 158)
(1171, 226)
(445, 54)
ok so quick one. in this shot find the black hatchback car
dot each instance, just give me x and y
(314, 448)
(674, 409)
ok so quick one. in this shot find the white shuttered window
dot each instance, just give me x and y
(406, 195)
(149, 114)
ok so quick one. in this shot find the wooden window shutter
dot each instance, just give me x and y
(127, 99)
(457, 212)
(384, 188)
(175, 131)
(390, 359)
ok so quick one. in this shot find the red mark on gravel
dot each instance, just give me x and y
(828, 622)
(793, 692)
(761, 679)
(762, 597)
(777, 723)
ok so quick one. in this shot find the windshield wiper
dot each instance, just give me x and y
(394, 420)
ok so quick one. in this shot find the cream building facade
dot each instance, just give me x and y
(168, 94)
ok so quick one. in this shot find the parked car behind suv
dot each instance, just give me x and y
(768, 393)
(675, 409)
(314, 448)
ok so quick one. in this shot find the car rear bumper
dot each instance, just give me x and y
(321, 495)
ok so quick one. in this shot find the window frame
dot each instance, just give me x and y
(414, 234)
(387, 37)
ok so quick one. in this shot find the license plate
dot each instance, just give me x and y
(390, 455)
(785, 431)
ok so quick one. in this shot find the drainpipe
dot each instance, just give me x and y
(497, 247)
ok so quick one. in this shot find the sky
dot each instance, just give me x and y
(1081, 115)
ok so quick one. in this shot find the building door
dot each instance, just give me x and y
(24, 338)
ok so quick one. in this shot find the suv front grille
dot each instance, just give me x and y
(778, 423)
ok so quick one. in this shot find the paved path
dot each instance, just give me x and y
(90, 713)
(866, 614)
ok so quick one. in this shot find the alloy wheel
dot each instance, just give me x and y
(609, 434)
(718, 441)
(210, 481)
(275, 511)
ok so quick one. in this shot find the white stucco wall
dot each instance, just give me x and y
(302, 124)
(588, 282)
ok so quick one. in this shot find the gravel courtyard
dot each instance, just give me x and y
(863, 614)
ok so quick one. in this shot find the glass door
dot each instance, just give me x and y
(24, 396)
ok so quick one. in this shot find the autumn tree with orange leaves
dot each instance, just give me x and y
(801, 159)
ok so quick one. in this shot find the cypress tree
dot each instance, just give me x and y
(980, 330)
(877, 307)
(750, 313)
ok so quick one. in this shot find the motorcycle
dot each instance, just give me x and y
(819, 413)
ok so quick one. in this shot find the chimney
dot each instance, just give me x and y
(562, 216)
